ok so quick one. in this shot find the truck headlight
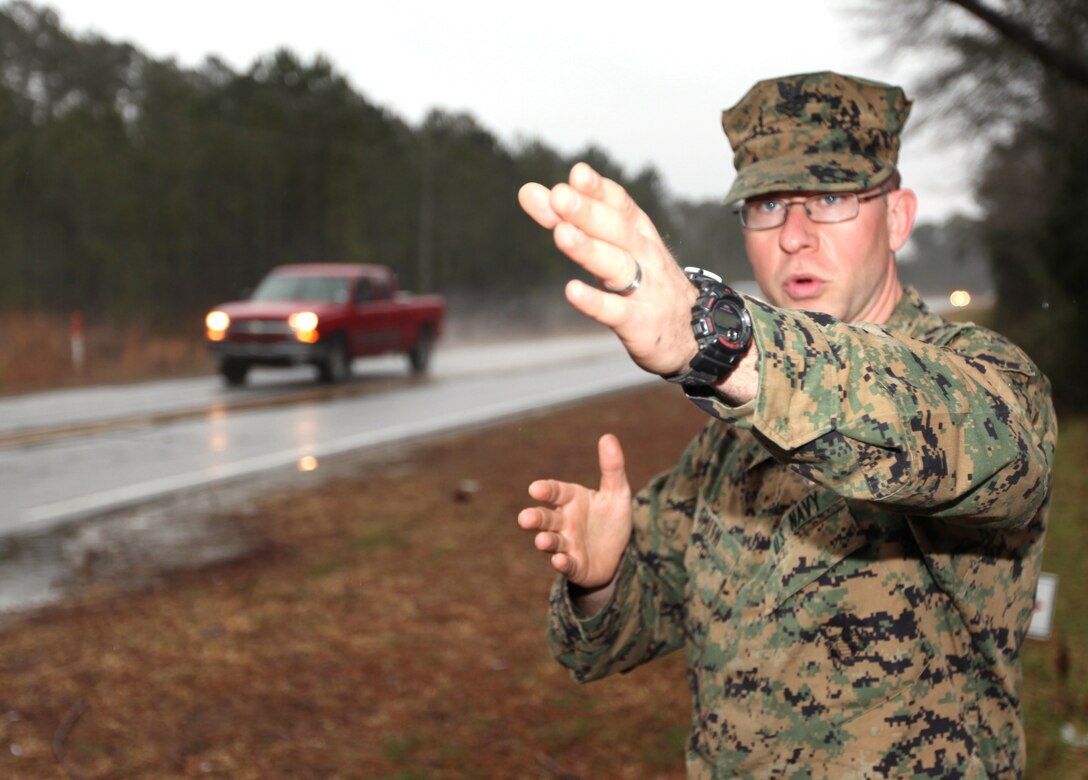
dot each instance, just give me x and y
(304, 324)
(217, 323)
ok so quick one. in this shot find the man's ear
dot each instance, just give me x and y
(902, 208)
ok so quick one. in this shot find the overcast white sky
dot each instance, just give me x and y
(645, 81)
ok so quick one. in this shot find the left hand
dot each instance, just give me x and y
(584, 531)
(598, 226)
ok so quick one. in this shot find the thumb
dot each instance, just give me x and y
(610, 457)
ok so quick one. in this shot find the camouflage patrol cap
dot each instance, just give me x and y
(819, 132)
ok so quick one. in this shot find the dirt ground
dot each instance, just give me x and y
(389, 624)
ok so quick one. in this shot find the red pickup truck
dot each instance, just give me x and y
(324, 314)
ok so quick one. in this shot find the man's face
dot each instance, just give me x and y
(845, 269)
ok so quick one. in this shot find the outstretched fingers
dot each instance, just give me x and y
(552, 491)
(535, 199)
(586, 180)
(564, 564)
(611, 264)
(606, 308)
(583, 531)
(596, 224)
(548, 523)
(594, 217)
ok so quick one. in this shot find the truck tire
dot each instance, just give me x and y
(336, 367)
(234, 371)
(420, 353)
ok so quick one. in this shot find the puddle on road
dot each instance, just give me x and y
(30, 570)
(125, 549)
(130, 548)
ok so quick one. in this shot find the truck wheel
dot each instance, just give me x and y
(234, 371)
(420, 353)
(336, 367)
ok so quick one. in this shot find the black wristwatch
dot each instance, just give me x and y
(722, 327)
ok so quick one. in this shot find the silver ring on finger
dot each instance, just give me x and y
(630, 288)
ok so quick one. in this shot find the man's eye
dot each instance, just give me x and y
(830, 200)
(768, 206)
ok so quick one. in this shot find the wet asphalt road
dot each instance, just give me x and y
(74, 454)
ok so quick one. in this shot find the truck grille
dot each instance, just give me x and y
(260, 327)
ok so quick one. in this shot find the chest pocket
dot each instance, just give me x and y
(814, 536)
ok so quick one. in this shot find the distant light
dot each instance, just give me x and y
(217, 320)
(217, 323)
(307, 463)
(303, 320)
(304, 324)
(960, 298)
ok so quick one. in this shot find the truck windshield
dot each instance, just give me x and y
(302, 288)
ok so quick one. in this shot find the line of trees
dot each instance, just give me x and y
(1013, 74)
(142, 191)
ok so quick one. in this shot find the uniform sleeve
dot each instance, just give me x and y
(963, 432)
(644, 618)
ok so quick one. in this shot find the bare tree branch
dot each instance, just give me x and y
(1052, 59)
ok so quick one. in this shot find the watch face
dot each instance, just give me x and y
(727, 320)
(723, 331)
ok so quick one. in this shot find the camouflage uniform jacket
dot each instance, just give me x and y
(850, 559)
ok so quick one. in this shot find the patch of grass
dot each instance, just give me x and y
(1055, 689)
(563, 732)
(660, 749)
(451, 753)
(407, 774)
(326, 569)
(400, 748)
(380, 540)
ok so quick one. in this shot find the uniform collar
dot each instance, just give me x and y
(911, 316)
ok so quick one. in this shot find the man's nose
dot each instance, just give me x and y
(798, 230)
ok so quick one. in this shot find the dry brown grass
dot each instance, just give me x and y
(37, 353)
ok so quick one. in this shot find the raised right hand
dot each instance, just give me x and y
(585, 531)
(596, 224)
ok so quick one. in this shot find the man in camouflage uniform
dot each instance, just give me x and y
(849, 550)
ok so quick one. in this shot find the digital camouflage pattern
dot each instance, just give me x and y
(850, 560)
(819, 132)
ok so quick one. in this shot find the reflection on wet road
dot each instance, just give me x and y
(172, 436)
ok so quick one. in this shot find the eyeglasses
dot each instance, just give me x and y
(826, 207)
